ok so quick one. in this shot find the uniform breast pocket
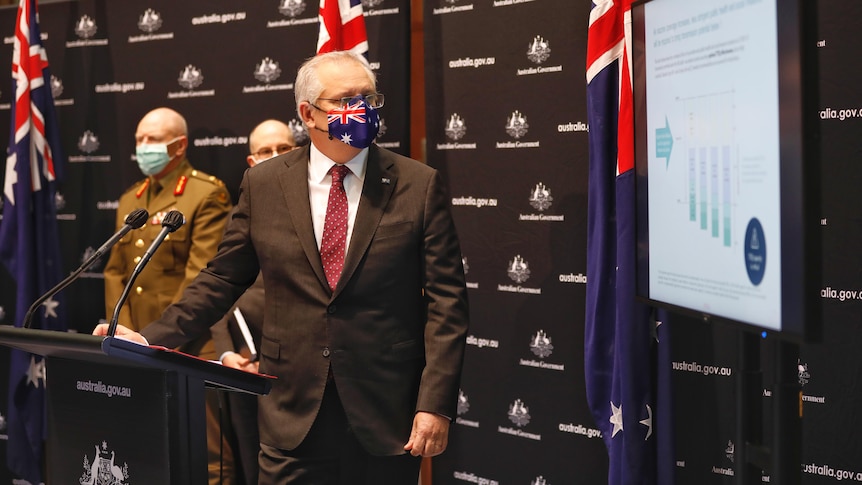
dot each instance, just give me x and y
(180, 235)
(175, 250)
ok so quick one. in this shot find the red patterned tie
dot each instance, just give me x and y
(335, 227)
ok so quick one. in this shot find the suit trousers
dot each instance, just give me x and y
(331, 455)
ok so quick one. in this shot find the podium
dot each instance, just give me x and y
(119, 412)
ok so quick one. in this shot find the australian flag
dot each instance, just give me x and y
(354, 119)
(29, 244)
(626, 387)
(342, 27)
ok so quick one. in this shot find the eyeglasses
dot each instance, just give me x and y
(269, 152)
(375, 100)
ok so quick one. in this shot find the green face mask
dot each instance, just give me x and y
(153, 157)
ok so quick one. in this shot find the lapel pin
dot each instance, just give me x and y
(385, 180)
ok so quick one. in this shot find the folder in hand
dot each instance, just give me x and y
(246, 334)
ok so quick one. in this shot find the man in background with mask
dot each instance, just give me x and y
(268, 139)
(171, 183)
(365, 314)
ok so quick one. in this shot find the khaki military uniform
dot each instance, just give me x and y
(205, 203)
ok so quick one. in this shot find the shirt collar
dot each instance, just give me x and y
(319, 164)
(170, 179)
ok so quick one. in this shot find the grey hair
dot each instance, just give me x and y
(308, 87)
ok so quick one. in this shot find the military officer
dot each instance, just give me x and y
(171, 183)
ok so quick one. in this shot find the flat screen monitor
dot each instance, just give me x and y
(725, 177)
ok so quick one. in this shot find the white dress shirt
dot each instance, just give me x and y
(319, 182)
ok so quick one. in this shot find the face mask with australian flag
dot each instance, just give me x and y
(355, 124)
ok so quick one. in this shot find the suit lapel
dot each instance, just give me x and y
(294, 186)
(376, 191)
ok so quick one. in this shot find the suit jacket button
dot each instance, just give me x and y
(326, 352)
(331, 309)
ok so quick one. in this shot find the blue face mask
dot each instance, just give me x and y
(153, 157)
(356, 124)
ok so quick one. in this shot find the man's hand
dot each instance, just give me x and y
(232, 359)
(430, 435)
(122, 332)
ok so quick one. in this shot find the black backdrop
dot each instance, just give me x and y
(507, 126)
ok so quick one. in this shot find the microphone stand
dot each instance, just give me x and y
(134, 220)
(172, 221)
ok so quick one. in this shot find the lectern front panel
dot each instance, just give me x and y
(107, 424)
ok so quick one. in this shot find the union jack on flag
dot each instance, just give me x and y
(352, 112)
(354, 122)
(342, 27)
(29, 243)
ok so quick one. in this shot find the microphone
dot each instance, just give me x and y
(171, 222)
(134, 220)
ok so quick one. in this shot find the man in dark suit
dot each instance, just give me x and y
(368, 349)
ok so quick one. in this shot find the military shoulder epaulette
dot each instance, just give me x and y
(198, 175)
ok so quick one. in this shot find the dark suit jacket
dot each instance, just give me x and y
(393, 330)
(227, 335)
